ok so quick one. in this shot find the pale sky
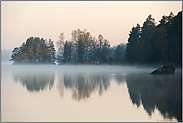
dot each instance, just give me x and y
(47, 19)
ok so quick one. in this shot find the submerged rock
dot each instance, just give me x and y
(166, 69)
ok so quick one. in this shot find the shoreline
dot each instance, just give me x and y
(102, 64)
(33, 63)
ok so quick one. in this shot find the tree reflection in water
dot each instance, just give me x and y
(120, 78)
(83, 84)
(35, 81)
(163, 92)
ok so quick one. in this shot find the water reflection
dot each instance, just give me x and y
(163, 92)
(35, 81)
(120, 78)
(83, 84)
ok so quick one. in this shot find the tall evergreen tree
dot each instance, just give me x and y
(132, 51)
(167, 40)
(174, 35)
(147, 30)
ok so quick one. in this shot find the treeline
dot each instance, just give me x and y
(156, 44)
(84, 48)
(35, 50)
(148, 44)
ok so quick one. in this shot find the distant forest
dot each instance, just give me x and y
(148, 44)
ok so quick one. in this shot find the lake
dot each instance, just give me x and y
(56, 93)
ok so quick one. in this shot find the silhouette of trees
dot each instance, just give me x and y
(174, 36)
(156, 44)
(139, 47)
(35, 50)
(166, 41)
(105, 53)
(133, 51)
(146, 45)
(83, 48)
(147, 29)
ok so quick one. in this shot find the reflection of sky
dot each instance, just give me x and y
(114, 104)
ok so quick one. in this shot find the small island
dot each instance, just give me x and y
(34, 51)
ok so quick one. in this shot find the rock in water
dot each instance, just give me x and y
(166, 69)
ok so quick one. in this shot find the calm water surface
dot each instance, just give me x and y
(88, 93)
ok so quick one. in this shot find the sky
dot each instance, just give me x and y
(47, 19)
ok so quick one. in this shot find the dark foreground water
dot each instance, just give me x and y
(88, 93)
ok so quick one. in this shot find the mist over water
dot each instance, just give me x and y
(79, 68)
(89, 93)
